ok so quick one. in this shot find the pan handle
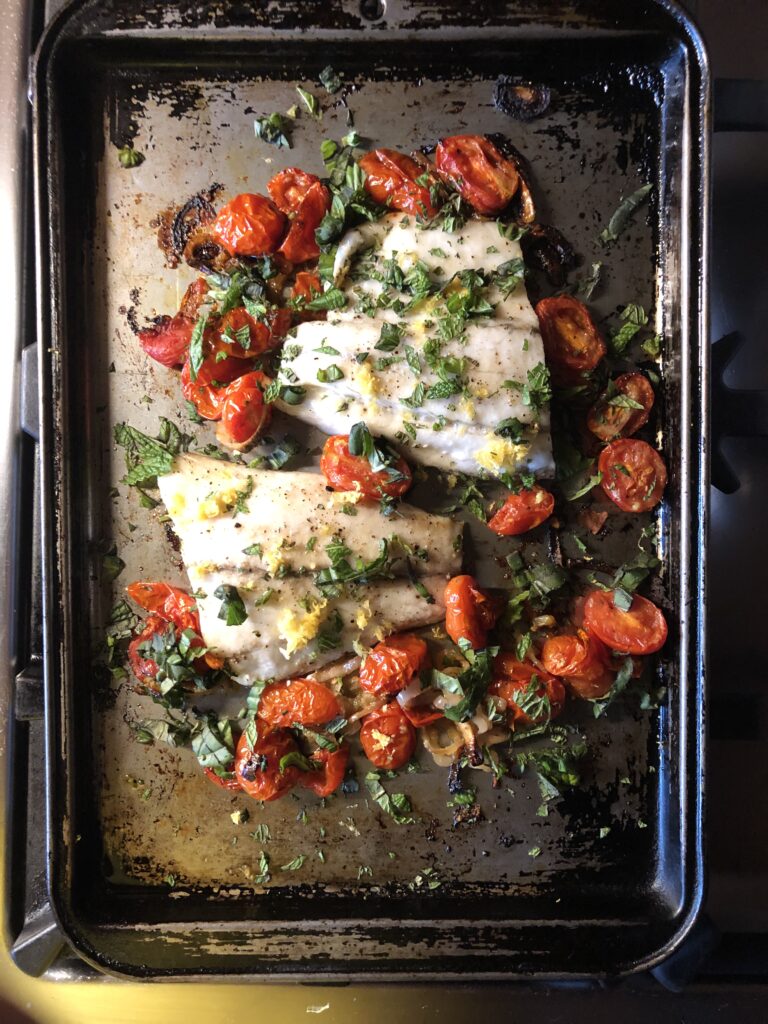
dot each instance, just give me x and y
(740, 105)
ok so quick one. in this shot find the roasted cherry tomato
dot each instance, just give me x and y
(249, 225)
(420, 715)
(581, 660)
(329, 775)
(306, 286)
(469, 611)
(572, 343)
(609, 419)
(176, 606)
(145, 669)
(391, 665)
(262, 335)
(346, 472)
(640, 630)
(244, 413)
(229, 781)
(172, 603)
(290, 187)
(387, 737)
(205, 398)
(391, 179)
(298, 700)
(479, 172)
(523, 511)
(634, 475)
(300, 244)
(168, 340)
(514, 682)
(258, 770)
(193, 298)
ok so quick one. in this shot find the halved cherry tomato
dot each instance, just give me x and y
(634, 475)
(469, 611)
(176, 606)
(346, 472)
(244, 413)
(298, 700)
(572, 654)
(387, 737)
(288, 188)
(258, 770)
(306, 286)
(172, 603)
(262, 335)
(640, 630)
(309, 202)
(581, 660)
(608, 421)
(523, 511)
(145, 669)
(205, 398)
(230, 782)
(329, 775)
(249, 225)
(391, 665)
(482, 176)
(420, 715)
(572, 343)
(168, 341)
(513, 679)
(391, 179)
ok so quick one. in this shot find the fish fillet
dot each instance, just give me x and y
(342, 385)
(266, 534)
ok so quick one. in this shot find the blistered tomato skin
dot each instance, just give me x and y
(640, 630)
(391, 178)
(633, 475)
(469, 612)
(258, 770)
(244, 413)
(249, 225)
(298, 700)
(329, 773)
(347, 472)
(145, 669)
(391, 665)
(478, 171)
(511, 681)
(387, 737)
(522, 512)
(232, 784)
(168, 341)
(572, 342)
(580, 659)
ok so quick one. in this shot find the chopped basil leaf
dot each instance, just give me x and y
(330, 79)
(389, 338)
(112, 566)
(329, 374)
(310, 102)
(621, 216)
(328, 350)
(146, 457)
(129, 157)
(332, 298)
(196, 346)
(510, 428)
(295, 864)
(398, 806)
(232, 610)
(254, 549)
(271, 129)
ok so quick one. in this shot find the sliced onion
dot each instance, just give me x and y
(543, 622)
(495, 735)
(447, 700)
(481, 722)
(410, 693)
(442, 739)
(337, 669)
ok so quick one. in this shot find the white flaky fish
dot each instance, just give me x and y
(277, 537)
(464, 393)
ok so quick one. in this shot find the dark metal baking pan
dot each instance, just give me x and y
(183, 80)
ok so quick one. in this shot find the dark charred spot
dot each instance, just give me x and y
(545, 249)
(467, 815)
(430, 832)
(523, 101)
(172, 537)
